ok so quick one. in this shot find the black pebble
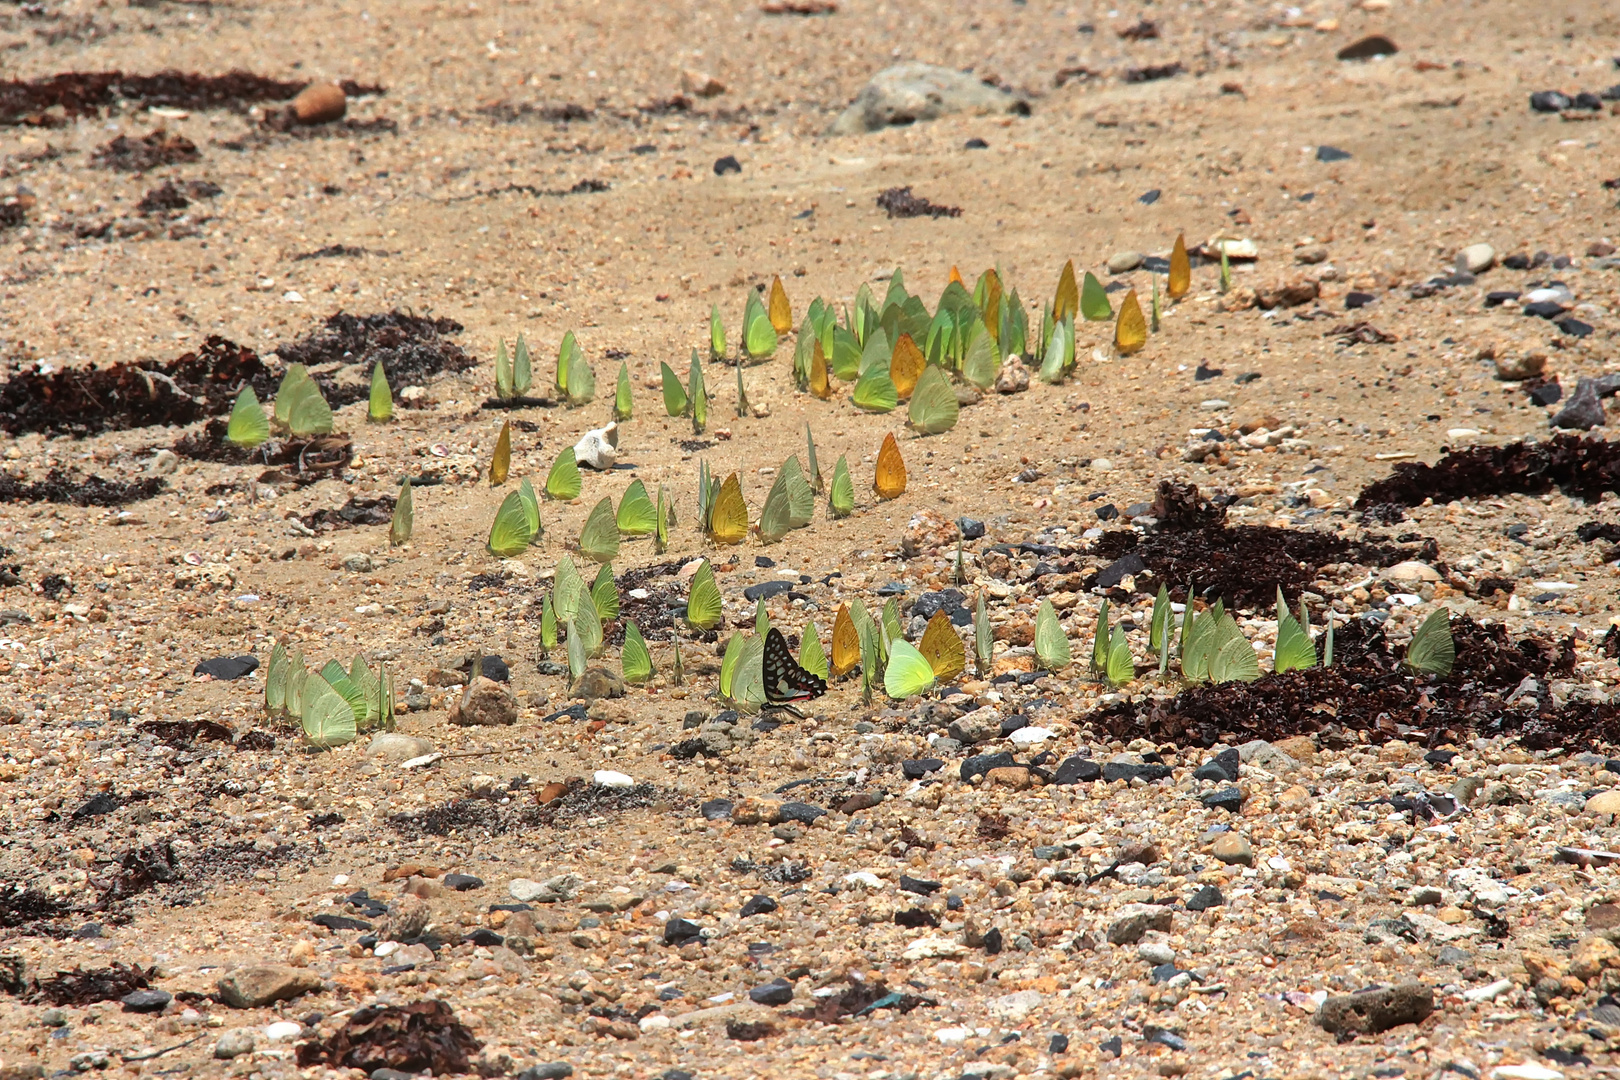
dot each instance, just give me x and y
(1205, 898)
(1331, 153)
(1148, 198)
(917, 768)
(1550, 101)
(1521, 261)
(975, 143)
(88, 931)
(551, 1070)
(1163, 973)
(1355, 300)
(803, 813)
(1439, 757)
(1498, 297)
(492, 667)
(105, 803)
(972, 528)
(727, 164)
(1126, 770)
(980, 764)
(1013, 723)
(1545, 309)
(226, 667)
(1247, 377)
(1059, 1044)
(681, 932)
(1204, 374)
(676, 1074)
(484, 936)
(1126, 565)
(758, 905)
(1574, 327)
(1547, 393)
(1076, 770)
(573, 712)
(775, 992)
(716, 810)
(146, 1001)
(1113, 1047)
(764, 562)
(463, 882)
(1229, 799)
(392, 1074)
(1107, 512)
(766, 590)
(992, 942)
(1588, 100)
(891, 588)
(339, 922)
(918, 886)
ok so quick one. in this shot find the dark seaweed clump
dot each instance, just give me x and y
(411, 349)
(87, 401)
(64, 487)
(1367, 691)
(424, 1035)
(1581, 468)
(900, 202)
(85, 93)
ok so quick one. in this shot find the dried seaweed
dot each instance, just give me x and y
(81, 987)
(1366, 691)
(27, 909)
(900, 202)
(1580, 467)
(154, 150)
(183, 734)
(424, 1035)
(297, 461)
(411, 349)
(359, 510)
(1153, 72)
(86, 401)
(139, 870)
(83, 93)
(64, 487)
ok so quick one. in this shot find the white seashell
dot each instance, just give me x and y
(598, 448)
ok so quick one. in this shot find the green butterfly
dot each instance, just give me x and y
(717, 334)
(275, 681)
(1094, 306)
(563, 482)
(981, 360)
(983, 642)
(249, 426)
(566, 353)
(1014, 336)
(811, 655)
(908, 672)
(510, 534)
(814, 477)
(1201, 641)
(875, 391)
(622, 405)
(637, 515)
(532, 505)
(698, 395)
(503, 373)
(876, 353)
(661, 530)
(742, 395)
(548, 624)
(844, 361)
(576, 652)
(568, 591)
(605, 594)
(1099, 641)
(759, 336)
(703, 599)
(522, 368)
(1051, 643)
(1234, 661)
(327, 716)
(801, 499)
(1159, 623)
(588, 624)
(1120, 669)
(1432, 651)
(399, 530)
(775, 519)
(297, 676)
(675, 402)
(307, 410)
(934, 407)
(890, 620)
(803, 351)
(1294, 650)
(295, 374)
(581, 381)
(634, 659)
(728, 665)
(1059, 353)
(762, 619)
(841, 493)
(599, 539)
(380, 409)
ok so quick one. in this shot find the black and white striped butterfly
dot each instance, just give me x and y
(785, 680)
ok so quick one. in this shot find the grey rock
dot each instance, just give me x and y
(1516, 366)
(1014, 377)
(1451, 956)
(146, 1001)
(1583, 411)
(260, 984)
(775, 992)
(1466, 788)
(558, 889)
(551, 1070)
(978, 726)
(406, 919)
(1229, 799)
(1134, 920)
(163, 463)
(1156, 952)
(233, 1044)
(1376, 1010)
(598, 683)
(1123, 262)
(1208, 896)
(396, 747)
(359, 563)
(1262, 754)
(485, 703)
(914, 91)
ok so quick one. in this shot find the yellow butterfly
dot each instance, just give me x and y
(728, 518)
(820, 382)
(1067, 299)
(780, 311)
(905, 366)
(1180, 270)
(501, 462)
(846, 644)
(890, 480)
(1130, 331)
(942, 648)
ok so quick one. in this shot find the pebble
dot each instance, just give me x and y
(775, 992)
(1233, 849)
(261, 984)
(1014, 376)
(1604, 803)
(1528, 1071)
(1411, 571)
(485, 703)
(1207, 896)
(320, 103)
(282, 1030)
(146, 1001)
(1516, 366)
(1376, 1011)
(914, 91)
(163, 463)
(233, 1044)
(609, 779)
(1123, 262)
(1476, 258)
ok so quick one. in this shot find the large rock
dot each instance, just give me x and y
(261, 984)
(1376, 1010)
(913, 91)
(485, 703)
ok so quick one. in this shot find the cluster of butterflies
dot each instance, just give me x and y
(333, 705)
(300, 409)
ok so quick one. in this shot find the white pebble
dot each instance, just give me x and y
(952, 1036)
(610, 779)
(282, 1029)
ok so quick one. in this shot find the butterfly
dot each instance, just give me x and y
(1066, 301)
(249, 426)
(759, 334)
(399, 529)
(785, 680)
(1130, 332)
(846, 644)
(675, 403)
(905, 366)
(1180, 269)
(1094, 305)
(501, 461)
(781, 311)
(380, 408)
(890, 479)
(728, 516)
(623, 406)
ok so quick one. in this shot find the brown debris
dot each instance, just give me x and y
(156, 149)
(412, 350)
(410, 1038)
(63, 487)
(1581, 468)
(900, 202)
(1361, 333)
(798, 7)
(81, 987)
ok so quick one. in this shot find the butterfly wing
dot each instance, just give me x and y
(1180, 269)
(675, 403)
(781, 311)
(605, 594)
(785, 679)
(380, 406)
(522, 368)
(841, 492)
(1130, 331)
(1433, 651)
(703, 599)
(509, 534)
(846, 644)
(774, 519)
(934, 407)
(942, 648)
(889, 480)
(908, 672)
(1094, 306)
(623, 405)
(248, 426)
(875, 392)
(399, 530)
(1066, 300)
(500, 463)
(599, 539)
(728, 522)
(563, 482)
(906, 365)
(811, 656)
(637, 515)
(1051, 643)
(532, 505)
(634, 659)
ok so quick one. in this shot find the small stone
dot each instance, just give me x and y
(1583, 411)
(1123, 262)
(1330, 154)
(598, 683)
(1607, 802)
(146, 1001)
(1014, 777)
(462, 882)
(701, 83)
(1605, 916)
(1233, 849)
(1208, 896)
(758, 905)
(163, 463)
(680, 932)
(1156, 952)
(1376, 1010)
(1476, 258)
(1288, 294)
(261, 984)
(1592, 956)
(1411, 571)
(485, 703)
(1014, 376)
(609, 779)
(598, 448)
(716, 810)
(395, 747)
(726, 165)
(1367, 48)
(1550, 101)
(1527, 1071)
(320, 103)
(1515, 366)
(1228, 798)
(775, 992)
(1015, 1006)
(1077, 770)
(550, 1070)
(980, 725)
(226, 668)
(233, 1044)
(1134, 920)
(913, 91)
(972, 528)
(1311, 254)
